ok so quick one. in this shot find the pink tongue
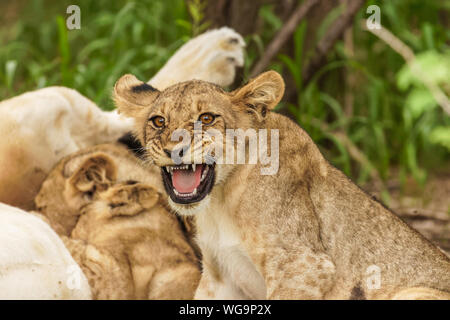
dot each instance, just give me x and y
(185, 181)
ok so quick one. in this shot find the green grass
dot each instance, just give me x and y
(116, 37)
(393, 120)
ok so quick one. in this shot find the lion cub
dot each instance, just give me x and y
(117, 229)
(300, 231)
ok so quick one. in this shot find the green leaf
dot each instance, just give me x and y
(441, 135)
(64, 51)
(10, 69)
(293, 69)
(329, 19)
(427, 30)
(430, 64)
(184, 24)
(419, 101)
(268, 16)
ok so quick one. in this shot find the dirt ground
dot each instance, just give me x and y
(427, 209)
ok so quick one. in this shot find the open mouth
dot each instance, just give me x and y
(188, 183)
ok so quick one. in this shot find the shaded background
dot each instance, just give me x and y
(371, 115)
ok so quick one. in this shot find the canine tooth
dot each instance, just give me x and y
(204, 174)
(176, 192)
(194, 192)
(193, 167)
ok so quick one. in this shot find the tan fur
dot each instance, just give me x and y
(109, 211)
(306, 232)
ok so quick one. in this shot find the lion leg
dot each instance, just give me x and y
(299, 274)
(177, 282)
(213, 288)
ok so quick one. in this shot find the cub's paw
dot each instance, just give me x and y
(130, 198)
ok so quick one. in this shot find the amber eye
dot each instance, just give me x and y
(158, 121)
(206, 118)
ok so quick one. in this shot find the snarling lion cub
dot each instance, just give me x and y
(112, 218)
(304, 232)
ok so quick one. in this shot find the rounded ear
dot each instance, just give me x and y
(260, 94)
(132, 95)
(95, 173)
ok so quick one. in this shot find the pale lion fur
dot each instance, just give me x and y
(34, 263)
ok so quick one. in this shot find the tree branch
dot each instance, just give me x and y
(329, 39)
(402, 49)
(283, 36)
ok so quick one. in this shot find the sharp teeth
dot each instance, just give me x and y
(193, 167)
(193, 193)
(205, 171)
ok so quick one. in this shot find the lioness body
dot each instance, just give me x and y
(304, 232)
(34, 263)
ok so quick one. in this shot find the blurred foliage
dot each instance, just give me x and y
(116, 37)
(365, 92)
(392, 118)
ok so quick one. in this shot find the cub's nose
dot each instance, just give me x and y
(180, 152)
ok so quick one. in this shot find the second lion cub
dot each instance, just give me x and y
(113, 218)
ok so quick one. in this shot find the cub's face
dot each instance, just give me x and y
(74, 182)
(185, 130)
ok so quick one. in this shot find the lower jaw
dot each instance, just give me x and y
(191, 202)
(190, 209)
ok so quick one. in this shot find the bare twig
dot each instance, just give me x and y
(283, 35)
(402, 49)
(329, 39)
